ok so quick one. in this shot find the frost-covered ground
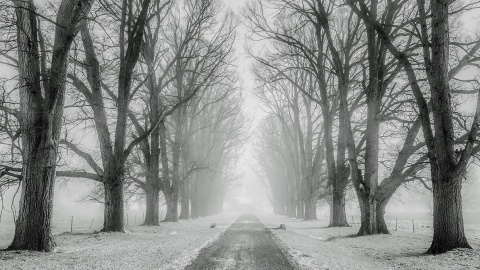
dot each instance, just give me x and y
(174, 245)
(316, 247)
(168, 246)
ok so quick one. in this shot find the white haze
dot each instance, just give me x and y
(408, 203)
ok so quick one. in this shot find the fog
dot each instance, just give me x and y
(246, 107)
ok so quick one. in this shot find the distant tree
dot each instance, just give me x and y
(217, 134)
(316, 43)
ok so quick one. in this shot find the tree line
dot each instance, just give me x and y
(368, 95)
(139, 97)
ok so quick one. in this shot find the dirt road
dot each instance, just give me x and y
(246, 245)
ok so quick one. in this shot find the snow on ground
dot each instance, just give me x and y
(168, 246)
(314, 246)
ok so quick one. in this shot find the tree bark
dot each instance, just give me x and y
(381, 224)
(337, 179)
(447, 217)
(152, 205)
(172, 207)
(338, 210)
(185, 203)
(114, 204)
(194, 197)
(370, 184)
(311, 208)
(41, 119)
(339, 185)
(447, 174)
(368, 206)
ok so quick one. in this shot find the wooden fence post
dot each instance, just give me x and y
(89, 228)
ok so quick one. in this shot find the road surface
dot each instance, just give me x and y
(246, 245)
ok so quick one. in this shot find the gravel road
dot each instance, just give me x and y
(246, 245)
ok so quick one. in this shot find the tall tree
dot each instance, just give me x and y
(447, 167)
(318, 46)
(114, 152)
(41, 110)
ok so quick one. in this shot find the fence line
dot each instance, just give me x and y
(405, 225)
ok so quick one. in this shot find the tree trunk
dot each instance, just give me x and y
(311, 208)
(283, 203)
(448, 228)
(194, 197)
(194, 213)
(368, 223)
(340, 177)
(339, 217)
(33, 229)
(381, 224)
(114, 210)
(172, 207)
(300, 208)
(372, 216)
(152, 206)
(185, 203)
(40, 120)
(33, 225)
(447, 217)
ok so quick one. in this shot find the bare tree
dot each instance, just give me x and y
(114, 153)
(42, 95)
(304, 27)
(447, 166)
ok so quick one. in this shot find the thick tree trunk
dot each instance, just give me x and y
(40, 120)
(340, 177)
(339, 217)
(194, 213)
(447, 174)
(152, 205)
(172, 207)
(368, 224)
(372, 216)
(194, 197)
(311, 208)
(185, 202)
(282, 208)
(381, 224)
(33, 225)
(114, 202)
(447, 217)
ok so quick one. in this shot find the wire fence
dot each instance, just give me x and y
(402, 224)
(85, 224)
(77, 224)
